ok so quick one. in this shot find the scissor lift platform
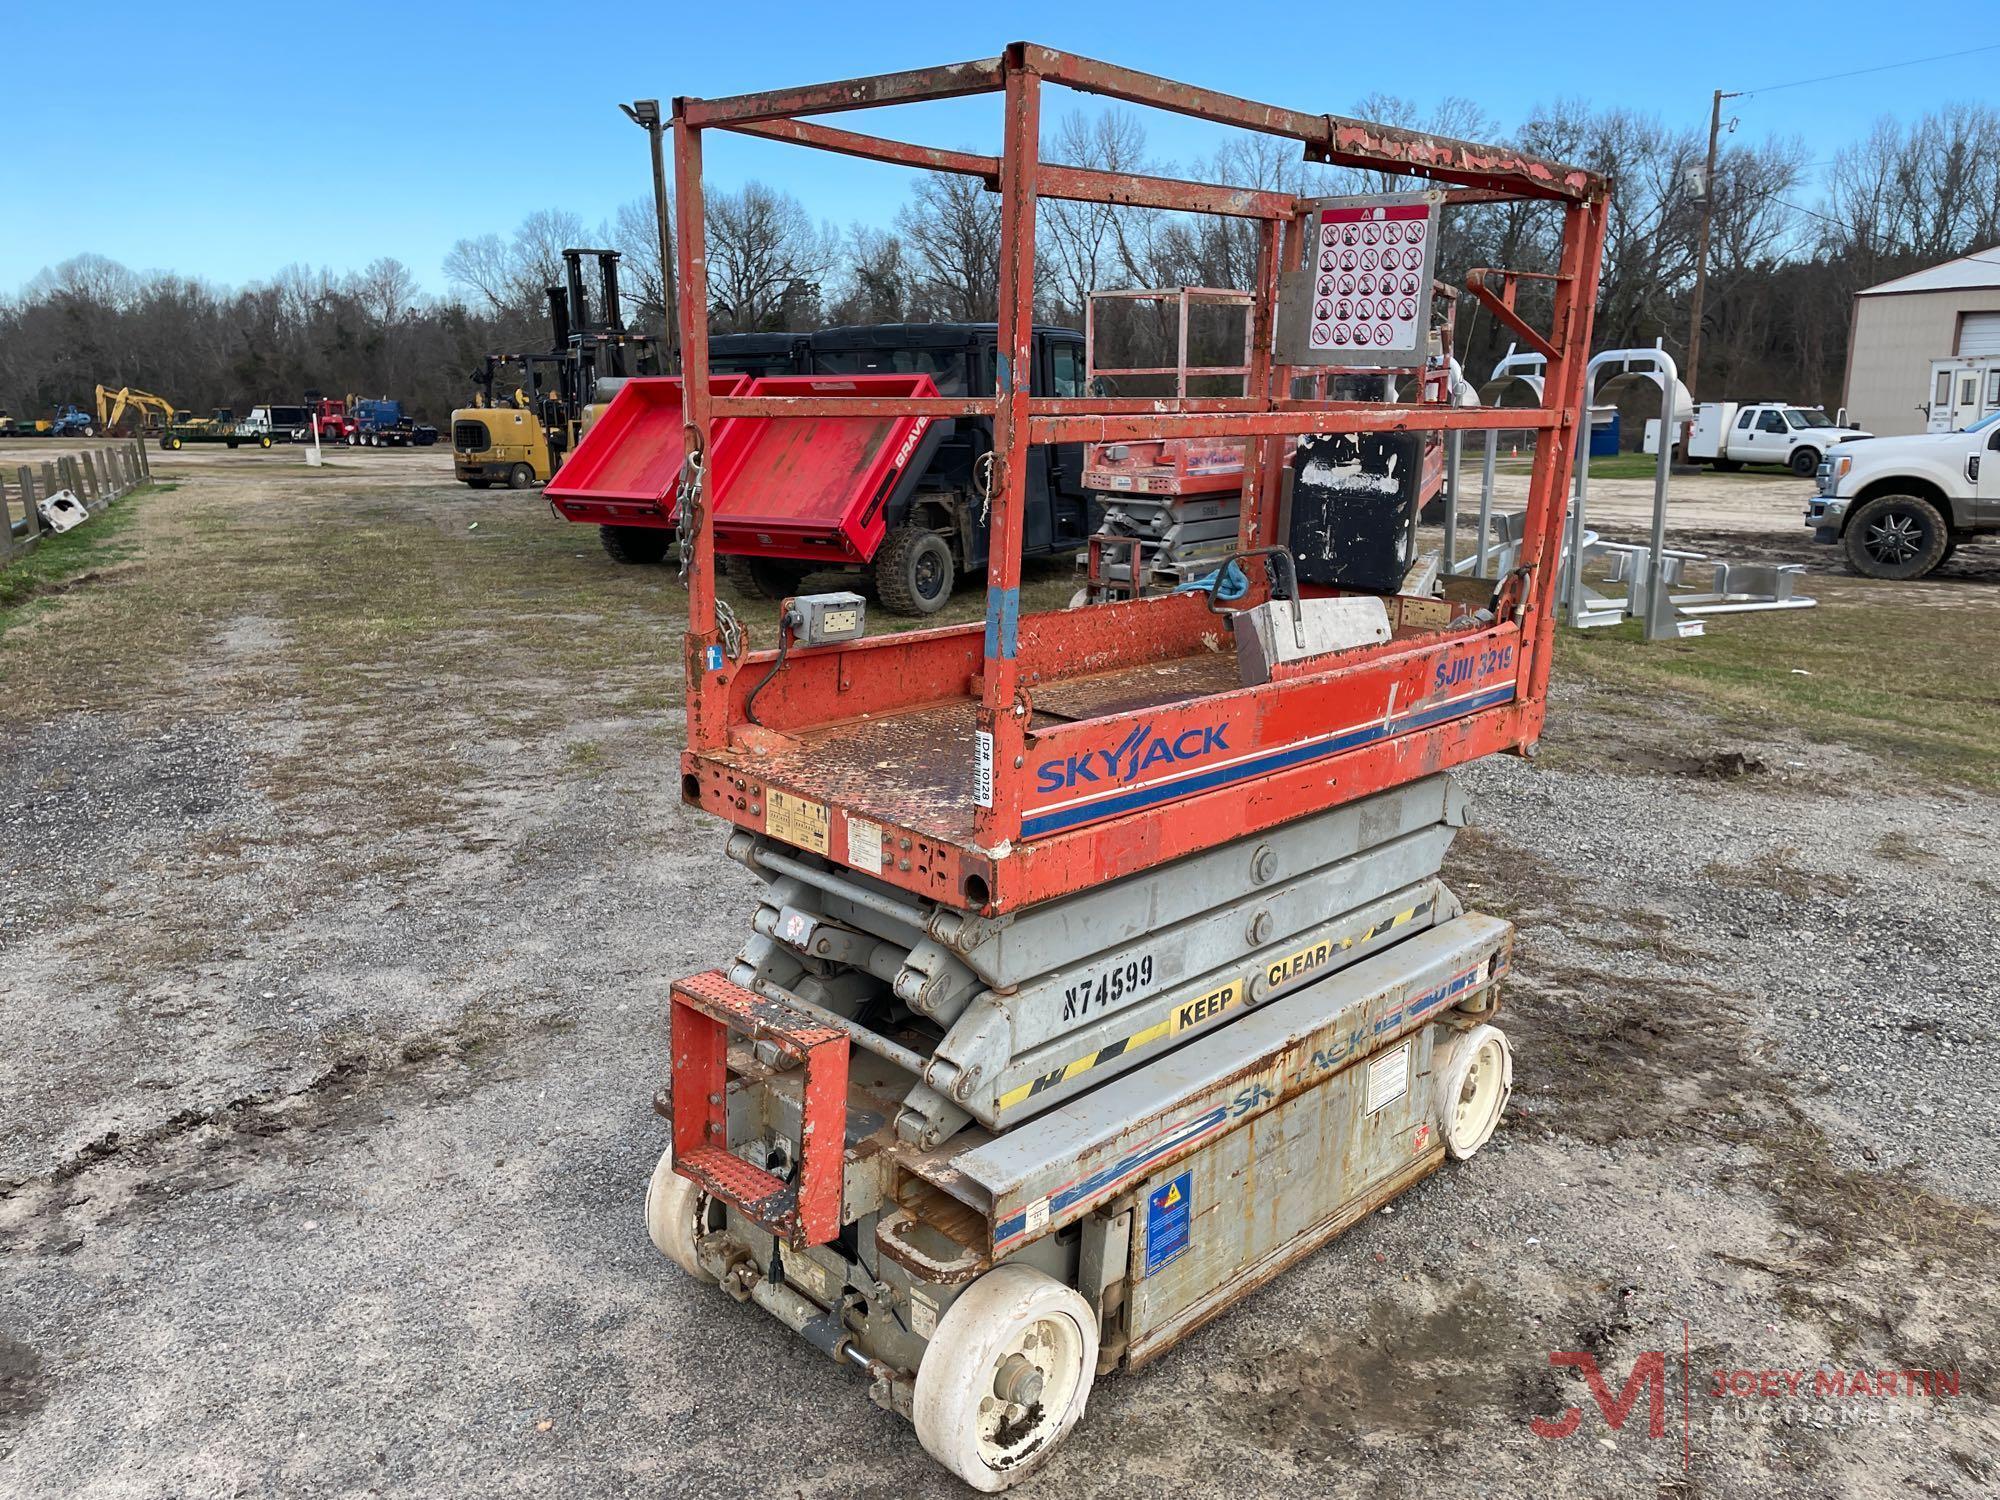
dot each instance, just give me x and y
(1100, 970)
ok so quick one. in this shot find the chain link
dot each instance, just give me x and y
(689, 519)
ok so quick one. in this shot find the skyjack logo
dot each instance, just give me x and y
(1139, 751)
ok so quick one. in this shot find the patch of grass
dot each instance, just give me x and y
(1875, 667)
(104, 539)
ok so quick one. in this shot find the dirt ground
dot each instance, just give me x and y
(343, 871)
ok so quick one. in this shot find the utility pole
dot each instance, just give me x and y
(1701, 253)
(646, 114)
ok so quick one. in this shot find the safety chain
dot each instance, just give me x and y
(690, 518)
(982, 482)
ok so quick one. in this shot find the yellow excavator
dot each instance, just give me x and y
(155, 414)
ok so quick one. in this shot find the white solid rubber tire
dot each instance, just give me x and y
(974, 1336)
(675, 1208)
(1487, 1048)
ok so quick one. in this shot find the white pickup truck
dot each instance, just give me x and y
(1730, 434)
(1900, 506)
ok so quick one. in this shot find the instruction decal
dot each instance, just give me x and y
(864, 845)
(1169, 1220)
(799, 821)
(1388, 1077)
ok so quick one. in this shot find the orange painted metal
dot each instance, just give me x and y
(706, 1010)
(1007, 763)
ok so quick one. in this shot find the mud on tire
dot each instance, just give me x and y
(914, 571)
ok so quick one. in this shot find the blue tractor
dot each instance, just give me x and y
(72, 422)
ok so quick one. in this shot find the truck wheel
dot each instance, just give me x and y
(677, 1214)
(765, 577)
(1478, 1077)
(1005, 1376)
(1804, 461)
(1898, 537)
(520, 477)
(914, 571)
(635, 545)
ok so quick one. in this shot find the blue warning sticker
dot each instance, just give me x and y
(1168, 1220)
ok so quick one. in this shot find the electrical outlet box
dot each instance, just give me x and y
(1363, 297)
(824, 619)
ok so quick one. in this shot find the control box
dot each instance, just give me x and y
(1363, 297)
(823, 619)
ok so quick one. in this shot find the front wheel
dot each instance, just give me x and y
(1478, 1079)
(1005, 1376)
(263, 442)
(1898, 537)
(914, 571)
(1805, 461)
(520, 477)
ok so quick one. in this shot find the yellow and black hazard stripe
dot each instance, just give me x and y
(1205, 1008)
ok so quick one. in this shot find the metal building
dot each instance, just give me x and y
(1923, 351)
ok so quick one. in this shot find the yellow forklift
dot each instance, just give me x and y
(521, 438)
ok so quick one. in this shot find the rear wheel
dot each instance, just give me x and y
(520, 477)
(636, 545)
(914, 571)
(1005, 1376)
(767, 577)
(677, 1215)
(1898, 537)
(263, 442)
(1804, 461)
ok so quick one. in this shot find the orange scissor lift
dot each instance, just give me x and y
(1078, 925)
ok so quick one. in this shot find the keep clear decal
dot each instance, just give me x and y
(1168, 1220)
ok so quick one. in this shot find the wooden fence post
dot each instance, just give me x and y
(6, 523)
(92, 492)
(34, 505)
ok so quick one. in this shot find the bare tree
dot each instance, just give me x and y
(952, 226)
(766, 259)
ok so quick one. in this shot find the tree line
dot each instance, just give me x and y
(1782, 270)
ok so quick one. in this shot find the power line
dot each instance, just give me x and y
(1772, 88)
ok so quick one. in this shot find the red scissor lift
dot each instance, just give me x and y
(962, 1110)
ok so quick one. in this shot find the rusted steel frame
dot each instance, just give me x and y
(708, 727)
(1064, 406)
(1565, 377)
(1079, 184)
(1257, 515)
(852, 406)
(1290, 417)
(951, 81)
(1088, 185)
(1332, 138)
(1500, 302)
(876, 148)
(1414, 153)
(1189, 370)
(1000, 716)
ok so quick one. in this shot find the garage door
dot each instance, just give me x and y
(1979, 333)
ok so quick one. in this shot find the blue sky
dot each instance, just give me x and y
(229, 149)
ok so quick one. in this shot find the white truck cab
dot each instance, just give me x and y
(1730, 434)
(1899, 507)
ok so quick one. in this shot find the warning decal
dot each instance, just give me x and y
(1168, 1220)
(1371, 261)
(797, 821)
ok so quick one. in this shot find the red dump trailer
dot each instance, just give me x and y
(792, 494)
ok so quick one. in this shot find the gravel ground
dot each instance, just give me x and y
(332, 974)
